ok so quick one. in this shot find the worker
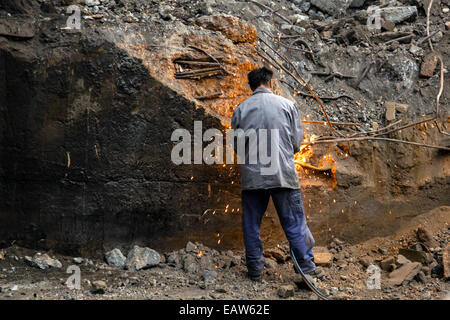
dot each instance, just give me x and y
(267, 112)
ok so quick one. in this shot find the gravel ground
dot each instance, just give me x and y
(198, 272)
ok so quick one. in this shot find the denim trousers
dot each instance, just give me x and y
(289, 206)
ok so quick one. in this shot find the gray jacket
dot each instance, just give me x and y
(265, 110)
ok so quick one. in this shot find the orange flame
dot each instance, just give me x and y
(302, 160)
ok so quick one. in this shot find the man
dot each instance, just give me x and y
(267, 112)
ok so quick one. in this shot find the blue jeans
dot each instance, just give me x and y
(289, 206)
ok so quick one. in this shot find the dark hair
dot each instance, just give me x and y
(258, 77)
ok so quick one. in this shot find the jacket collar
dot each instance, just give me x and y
(262, 90)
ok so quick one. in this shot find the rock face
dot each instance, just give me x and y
(42, 261)
(115, 258)
(91, 150)
(141, 258)
(231, 27)
(86, 119)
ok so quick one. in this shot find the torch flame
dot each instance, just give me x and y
(302, 160)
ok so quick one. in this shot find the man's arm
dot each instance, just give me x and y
(297, 129)
(235, 125)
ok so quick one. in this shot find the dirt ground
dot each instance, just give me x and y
(345, 278)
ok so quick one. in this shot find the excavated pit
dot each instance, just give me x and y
(85, 128)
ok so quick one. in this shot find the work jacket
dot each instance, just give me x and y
(268, 114)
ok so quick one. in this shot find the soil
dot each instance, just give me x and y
(346, 277)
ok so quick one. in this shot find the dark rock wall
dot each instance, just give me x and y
(85, 158)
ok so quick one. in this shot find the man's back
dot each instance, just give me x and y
(267, 111)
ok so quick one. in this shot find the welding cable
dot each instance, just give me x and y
(305, 278)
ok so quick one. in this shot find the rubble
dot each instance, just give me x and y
(323, 258)
(401, 260)
(393, 107)
(212, 272)
(426, 238)
(99, 287)
(209, 275)
(366, 261)
(446, 261)
(387, 264)
(190, 247)
(115, 258)
(190, 264)
(277, 254)
(233, 28)
(332, 7)
(398, 14)
(270, 263)
(415, 255)
(390, 111)
(286, 291)
(429, 65)
(141, 258)
(405, 273)
(42, 261)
